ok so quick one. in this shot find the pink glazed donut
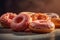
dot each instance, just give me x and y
(20, 23)
(6, 19)
(42, 26)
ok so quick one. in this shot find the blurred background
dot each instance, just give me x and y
(29, 5)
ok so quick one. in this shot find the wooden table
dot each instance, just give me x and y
(8, 34)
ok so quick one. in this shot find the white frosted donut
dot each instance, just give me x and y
(53, 15)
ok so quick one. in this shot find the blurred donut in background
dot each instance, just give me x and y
(55, 19)
(53, 15)
(6, 19)
(40, 16)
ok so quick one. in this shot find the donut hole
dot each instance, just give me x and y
(11, 16)
(18, 20)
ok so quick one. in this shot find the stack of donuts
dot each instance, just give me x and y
(30, 22)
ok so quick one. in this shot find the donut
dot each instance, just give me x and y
(53, 15)
(40, 16)
(55, 19)
(56, 22)
(6, 19)
(42, 26)
(20, 22)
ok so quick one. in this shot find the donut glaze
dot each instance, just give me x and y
(21, 22)
(40, 16)
(6, 19)
(41, 26)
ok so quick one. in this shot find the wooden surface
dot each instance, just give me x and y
(8, 34)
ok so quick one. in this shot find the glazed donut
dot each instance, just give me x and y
(6, 19)
(40, 16)
(55, 19)
(53, 15)
(56, 22)
(21, 22)
(41, 26)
